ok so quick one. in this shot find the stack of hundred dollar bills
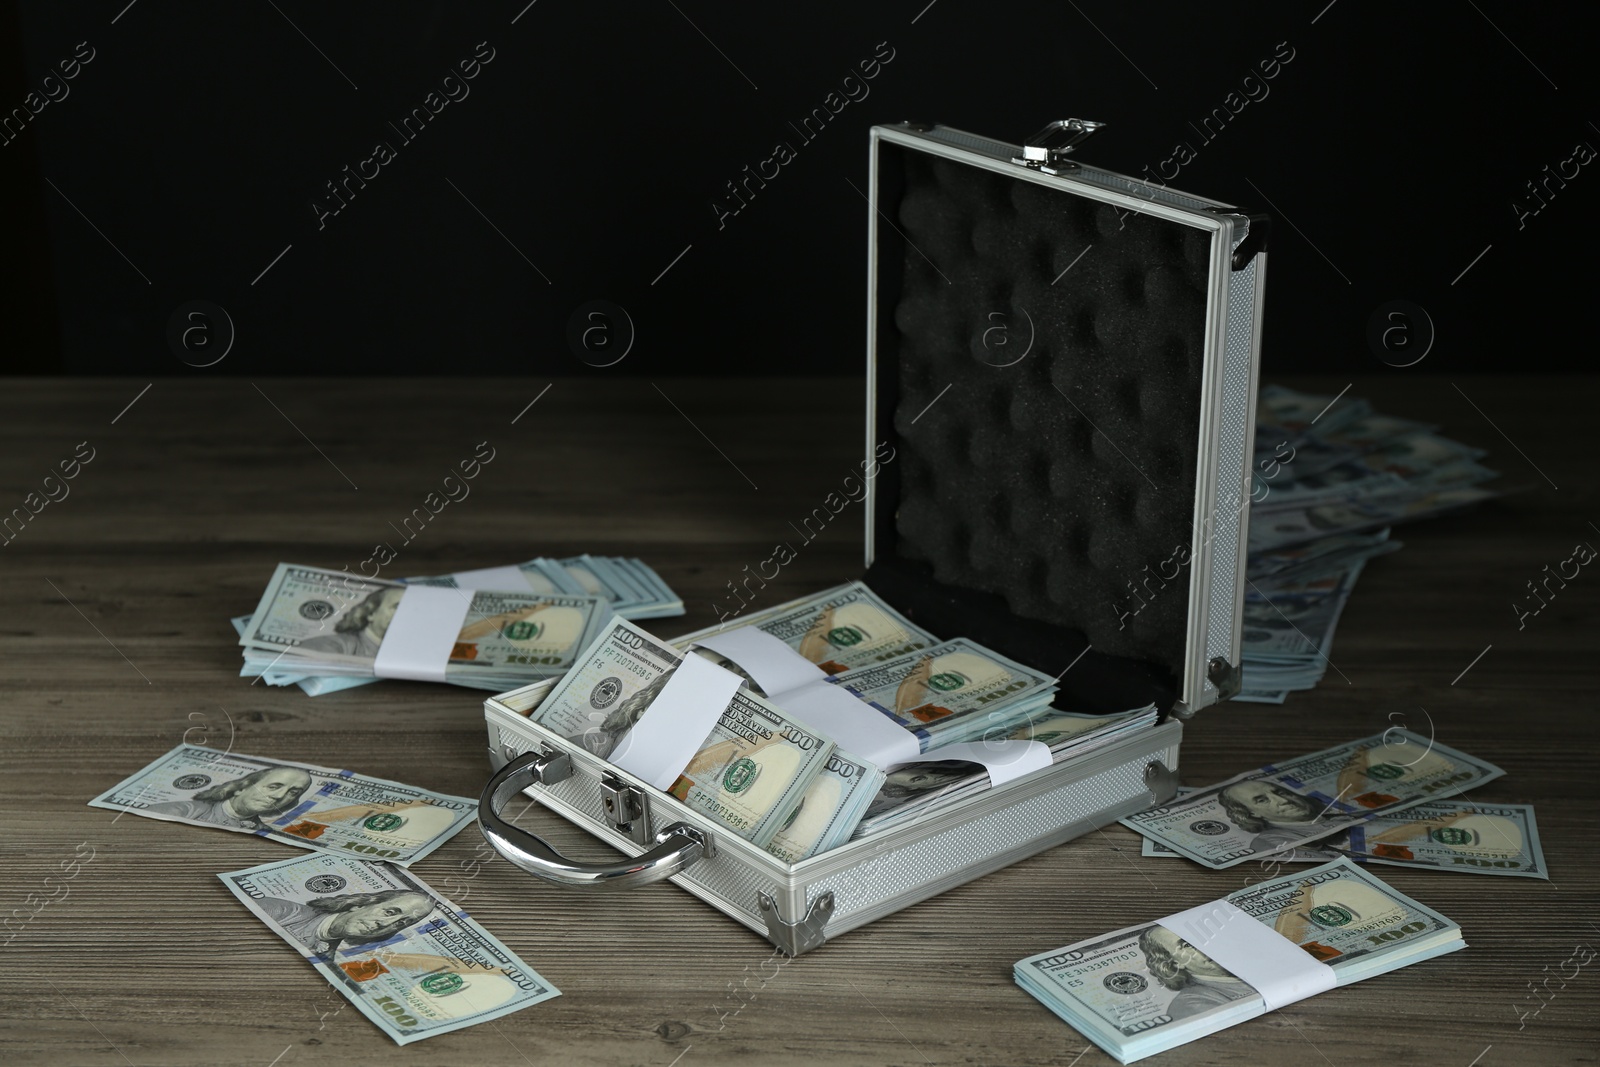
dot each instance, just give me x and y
(771, 779)
(1331, 477)
(321, 629)
(1145, 989)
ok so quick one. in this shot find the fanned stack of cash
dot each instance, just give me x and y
(1331, 476)
(628, 586)
(1147, 989)
(1302, 802)
(1449, 835)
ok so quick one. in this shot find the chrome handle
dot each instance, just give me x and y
(676, 847)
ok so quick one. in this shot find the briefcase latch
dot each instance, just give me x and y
(1048, 149)
(625, 808)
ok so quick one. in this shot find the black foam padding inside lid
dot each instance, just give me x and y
(1039, 361)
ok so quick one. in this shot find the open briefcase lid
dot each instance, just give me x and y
(1063, 361)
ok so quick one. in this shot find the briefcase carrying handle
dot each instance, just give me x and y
(676, 847)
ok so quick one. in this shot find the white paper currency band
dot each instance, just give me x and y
(670, 732)
(1253, 952)
(1004, 760)
(775, 666)
(856, 726)
(423, 631)
(495, 579)
(799, 686)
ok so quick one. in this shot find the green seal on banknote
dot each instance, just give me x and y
(442, 985)
(845, 636)
(1331, 915)
(383, 822)
(1388, 772)
(521, 630)
(741, 775)
(945, 681)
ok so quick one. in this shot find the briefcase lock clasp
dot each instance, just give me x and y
(1048, 149)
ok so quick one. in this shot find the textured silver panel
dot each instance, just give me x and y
(1142, 190)
(973, 143)
(1093, 175)
(898, 873)
(1232, 516)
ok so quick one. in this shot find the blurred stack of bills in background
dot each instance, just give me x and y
(1331, 476)
(321, 629)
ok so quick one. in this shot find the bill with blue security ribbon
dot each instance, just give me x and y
(1283, 806)
(299, 804)
(409, 959)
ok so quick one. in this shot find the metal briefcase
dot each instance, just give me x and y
(1061, 367)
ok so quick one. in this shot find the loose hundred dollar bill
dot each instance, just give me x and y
(831, 809)
(319, 808)
(837, 629)
(1146, 989)
(1453, 835)
(751, 770)
(1283, 806)
(409, 959)
(951, 691)
(328, 622)
(1312, 853)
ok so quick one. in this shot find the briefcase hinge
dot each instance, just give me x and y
(800, 936)
(625, 808)
(1048, 149)
(1225, 676)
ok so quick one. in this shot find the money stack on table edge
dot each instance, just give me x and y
(1149, 988)
(1331, 476)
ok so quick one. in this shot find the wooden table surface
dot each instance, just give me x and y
(115, 603)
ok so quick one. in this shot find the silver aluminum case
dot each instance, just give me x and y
(862, 880)
(1220, 535)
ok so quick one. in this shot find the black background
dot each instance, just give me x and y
(1391, 148)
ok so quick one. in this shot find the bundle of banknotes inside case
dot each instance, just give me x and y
(769, 777)
(323, 630)
(1331, 477)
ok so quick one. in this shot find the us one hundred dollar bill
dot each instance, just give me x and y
(1283, 806)
(1145, 989)
(318, 622)
(950, 692)
(319, 808)
(831, 809)
(1452, 835)
(749, 773)
(838, 629)
(409, 959)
